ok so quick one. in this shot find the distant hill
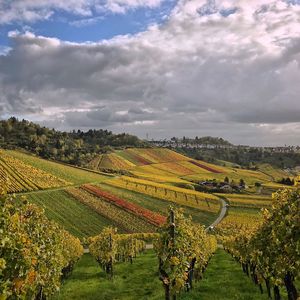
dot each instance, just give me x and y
(249, 157)
(72, 147)
(166, 165)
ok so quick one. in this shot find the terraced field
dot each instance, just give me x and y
(249, 176)
(126, 202)
(84, 214)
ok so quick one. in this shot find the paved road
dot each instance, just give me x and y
(221, 215)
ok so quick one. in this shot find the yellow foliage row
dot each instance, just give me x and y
(180, 196)
(270, 252)
(183, 251)
(24, 177)
(35, 252)
(109, 247)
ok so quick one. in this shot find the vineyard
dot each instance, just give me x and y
(23, 177)
(158, 205)
(269, 253)
(156, 161)
(45, 252)
(64, 172)
(119, 218)
(79, 219)
(202, 201)
(247, 201)
(126, 221)
(146, 214)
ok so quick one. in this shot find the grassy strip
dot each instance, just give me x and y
(222, 280)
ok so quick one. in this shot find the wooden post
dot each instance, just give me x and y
(290, 287)
(276, 293)
(111, 258)
(172, 227)
(207, 202)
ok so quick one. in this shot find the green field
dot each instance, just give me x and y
(75, 217)
(68, 173)
(223, 279)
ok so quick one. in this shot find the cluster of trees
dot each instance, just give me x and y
(73, 147)
(205, 140)
(244, 156)
(214, 186)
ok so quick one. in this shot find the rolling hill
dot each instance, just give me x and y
(158, 178)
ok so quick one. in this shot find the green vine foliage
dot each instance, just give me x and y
(272, 251)
(109, 247)
(183, 250)
(33, 250)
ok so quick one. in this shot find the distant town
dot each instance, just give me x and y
(217, 143)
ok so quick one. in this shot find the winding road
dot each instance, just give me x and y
(221, 215)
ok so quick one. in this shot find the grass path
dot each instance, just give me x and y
(222, 280)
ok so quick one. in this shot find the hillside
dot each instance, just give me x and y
(84, 213)
(246, 156)
(86, 202)
(158, 178)
(24, 172)
(165, 165)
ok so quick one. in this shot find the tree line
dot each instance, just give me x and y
(73, 147)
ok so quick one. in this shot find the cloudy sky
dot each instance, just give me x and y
(162, 67)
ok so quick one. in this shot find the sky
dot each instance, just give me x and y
(159, 67)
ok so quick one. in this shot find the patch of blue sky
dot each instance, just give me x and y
(72, 28)
(210, 8)
(229, 11)
(293, 2)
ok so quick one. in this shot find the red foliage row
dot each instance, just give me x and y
(150, 216)
(204, 167)
(139, 159)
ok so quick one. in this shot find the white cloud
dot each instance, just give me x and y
(32, 10)
(220, 74)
